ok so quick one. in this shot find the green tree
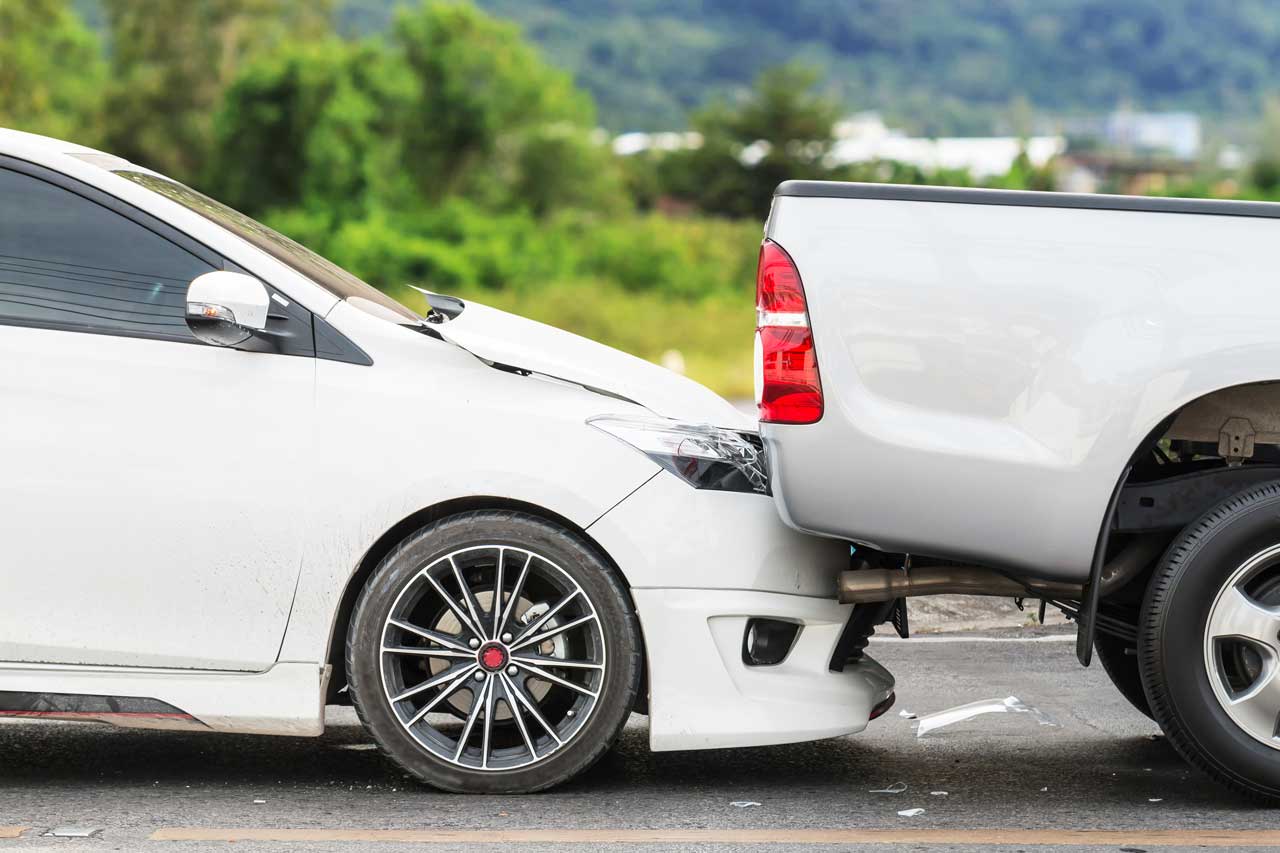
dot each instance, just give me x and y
(310, 124)
(1264, 172)
(170, 66)
(487, 114)
(51, 71)
(783, 130)
(454, 104)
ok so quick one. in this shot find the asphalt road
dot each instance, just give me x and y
(1101, 768)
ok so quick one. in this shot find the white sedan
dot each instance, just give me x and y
(239, 485)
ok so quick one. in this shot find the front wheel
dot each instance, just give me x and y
(1209, 642)
(494, 652)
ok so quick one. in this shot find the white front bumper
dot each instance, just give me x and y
(703, 696)
(700, 564)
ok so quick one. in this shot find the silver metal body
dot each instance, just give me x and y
(990, 367)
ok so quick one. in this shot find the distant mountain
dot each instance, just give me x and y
(934, 66)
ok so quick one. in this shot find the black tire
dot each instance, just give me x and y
(1120, 662)
(617, 686)
(1171, 641)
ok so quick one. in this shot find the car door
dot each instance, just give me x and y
(152, 488)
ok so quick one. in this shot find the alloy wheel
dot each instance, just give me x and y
(1242, 647)
(492, 657)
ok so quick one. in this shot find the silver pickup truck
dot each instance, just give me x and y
(1059, 397)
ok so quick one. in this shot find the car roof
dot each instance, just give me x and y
(32, 146)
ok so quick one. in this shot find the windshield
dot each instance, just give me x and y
(323, 272)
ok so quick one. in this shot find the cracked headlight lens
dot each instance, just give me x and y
(704, 456)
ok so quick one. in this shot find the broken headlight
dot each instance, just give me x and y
(704, 456)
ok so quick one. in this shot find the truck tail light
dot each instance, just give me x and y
(788, 389)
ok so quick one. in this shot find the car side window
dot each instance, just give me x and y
(69, 263)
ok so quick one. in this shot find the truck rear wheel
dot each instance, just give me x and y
(1120, 660)
(1209, 642)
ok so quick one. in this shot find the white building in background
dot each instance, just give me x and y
(865, 138)
(1177, 134)
(628, 144)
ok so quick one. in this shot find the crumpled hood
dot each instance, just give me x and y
(515, 341)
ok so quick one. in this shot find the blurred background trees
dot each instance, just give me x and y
(438, 146)
(51, 70)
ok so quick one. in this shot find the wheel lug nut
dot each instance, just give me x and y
(479, 676)
(506, 638)
(511, 670)
(473, 643)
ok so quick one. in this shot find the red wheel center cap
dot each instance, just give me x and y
(493, 657)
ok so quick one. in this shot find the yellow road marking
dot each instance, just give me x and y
(1027, 837)
(12, 831)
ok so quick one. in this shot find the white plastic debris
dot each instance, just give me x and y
(259, 802)
(937, 793)
(910, 812)
(357, 746)
(906, 715)
(1155, 799)
(74, 831)
(743, 804)
(960, 713)
(895, 788)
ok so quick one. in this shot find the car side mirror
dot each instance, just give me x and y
(226, 308)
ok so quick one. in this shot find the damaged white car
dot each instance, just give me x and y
(240, 484)
(1064, 397)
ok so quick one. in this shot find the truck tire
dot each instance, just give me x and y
(494, 652)
(1120, 662)
(1209, 642)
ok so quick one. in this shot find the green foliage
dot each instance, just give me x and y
(477, 88)
(453, 104)
(169, 68)
(461, 245)
(790, 126)
(51, 70)
(307, 124)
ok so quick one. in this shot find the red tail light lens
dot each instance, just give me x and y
(788, 389)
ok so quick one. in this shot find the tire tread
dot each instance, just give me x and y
(1152, 627)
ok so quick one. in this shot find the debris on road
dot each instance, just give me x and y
(357, 746)
(907, 715)
(960, 713)
(73, 831)
(910, 812)
(743, 804)
(937, 793)
(895, 788)
(259, 802)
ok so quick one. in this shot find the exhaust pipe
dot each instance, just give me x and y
(871, 585)
(866, 586)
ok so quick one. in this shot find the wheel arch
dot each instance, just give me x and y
(1203, 416)
(1237, 417)
(335, 653)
